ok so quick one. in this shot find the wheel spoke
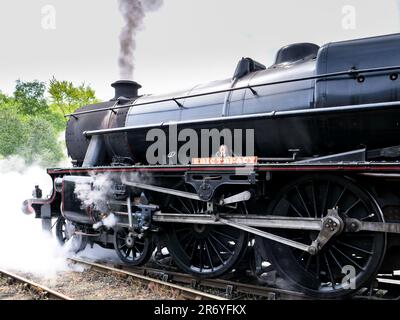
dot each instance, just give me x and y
(227, 236)
(308, 261)
(184, 205)
(293, 207)
(367, 217)
(329, 271)
(318, 266)
(221, 244)
(336, 260)
(325, 203)
(188, 243)
(191, 204)
(139, 242)
(303, 202)
(340, 197)
(176, 210)
(208, 254)
(216, 251)
(314, 199)
(201, 264)
(347, 257)
(193, 250)
(351, 207)
(136, 249)
(354, 247)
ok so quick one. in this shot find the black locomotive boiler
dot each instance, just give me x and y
(312, 189)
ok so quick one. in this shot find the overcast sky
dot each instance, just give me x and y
(183, 43)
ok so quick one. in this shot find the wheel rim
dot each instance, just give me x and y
(78, 242)
(65, 233)
(203, 250)
(61, 231)
(131, 249)
(357, 255)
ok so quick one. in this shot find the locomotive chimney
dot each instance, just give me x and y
(126, 89)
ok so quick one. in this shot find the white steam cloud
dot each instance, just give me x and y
(96, 194)
(133, 12)
(23, 245)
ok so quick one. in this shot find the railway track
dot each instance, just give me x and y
(42, 291)
(385, 288)
(222, 289)
(186, 292)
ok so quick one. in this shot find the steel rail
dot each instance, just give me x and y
(191, 293)
(230, 287)
(220, 284)
(351, 72)
(40, 289)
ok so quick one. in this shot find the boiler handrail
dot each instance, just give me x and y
(351, 72)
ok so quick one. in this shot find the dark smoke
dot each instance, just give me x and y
(133, 12)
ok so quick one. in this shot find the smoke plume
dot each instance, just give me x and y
(133, 12)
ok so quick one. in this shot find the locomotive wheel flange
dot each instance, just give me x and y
(347, 261)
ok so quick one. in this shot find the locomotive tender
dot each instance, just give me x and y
(319, 200)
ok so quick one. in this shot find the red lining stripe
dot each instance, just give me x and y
(256, 168)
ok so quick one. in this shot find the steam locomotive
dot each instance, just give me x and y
(291, 170)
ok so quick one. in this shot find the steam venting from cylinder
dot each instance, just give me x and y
(133, 12)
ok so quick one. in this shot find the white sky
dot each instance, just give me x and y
(184, 43)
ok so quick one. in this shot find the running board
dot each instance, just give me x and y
(350, 156)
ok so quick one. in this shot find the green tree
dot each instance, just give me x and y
(41, 144)
(32, 119)
(13, 132)
(66, 98)
(30, 97)
(3, 99)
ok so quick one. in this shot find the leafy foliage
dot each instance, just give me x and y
(12, 132)
(29, 97)
(32, 119)
(41, 143)
(66, 98)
